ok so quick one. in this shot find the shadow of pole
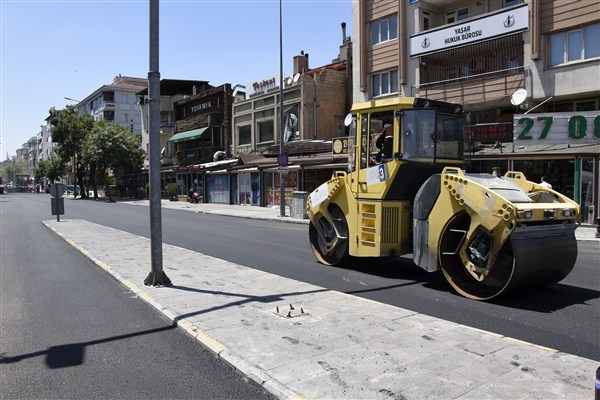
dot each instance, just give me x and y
(69, 355)
(73, 354)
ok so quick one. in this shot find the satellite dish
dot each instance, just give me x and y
(518, 97)
(296, 77)
(290, 123)
(348, 119)
(289, 80)
(293, 121)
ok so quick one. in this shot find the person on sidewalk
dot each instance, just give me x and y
(544, 183)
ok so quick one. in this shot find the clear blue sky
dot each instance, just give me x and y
(53, 49)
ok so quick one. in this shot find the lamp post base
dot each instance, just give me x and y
(157, 279)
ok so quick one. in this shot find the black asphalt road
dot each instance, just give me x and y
(68, 330)
(564, 316)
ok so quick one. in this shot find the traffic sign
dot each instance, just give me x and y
(283, 159)
(283, 170)
(57, 190)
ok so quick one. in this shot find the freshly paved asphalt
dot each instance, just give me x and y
(303, 341)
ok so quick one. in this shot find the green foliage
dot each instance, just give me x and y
(9, 172)
(171, 189)
(56, 168)
(69, 130)
(41, 170)
(113, 146)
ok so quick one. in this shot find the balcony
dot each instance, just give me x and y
(474, 74)
(107, 106)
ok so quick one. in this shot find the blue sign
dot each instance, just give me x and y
(283, 159)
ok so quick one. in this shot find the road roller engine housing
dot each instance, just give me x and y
(406, 192)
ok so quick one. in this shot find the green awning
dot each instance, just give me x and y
(190, 135)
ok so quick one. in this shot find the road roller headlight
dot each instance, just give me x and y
(567, 212)
(524, 214)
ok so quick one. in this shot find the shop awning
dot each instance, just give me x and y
(190, 135)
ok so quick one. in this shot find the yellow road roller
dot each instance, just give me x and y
(406, 192)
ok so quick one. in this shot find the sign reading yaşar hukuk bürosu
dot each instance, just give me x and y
(581, 127)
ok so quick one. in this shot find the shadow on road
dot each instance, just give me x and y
(70, 355)
(541, 299)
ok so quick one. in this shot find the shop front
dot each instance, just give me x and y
(187, 178)
(562, 147)
(217, 187)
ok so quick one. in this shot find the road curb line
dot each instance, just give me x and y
(260, 376)
(237, 362)
(511, 339)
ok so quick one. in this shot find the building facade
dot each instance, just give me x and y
(171, 91)
(527, 73)
(202, 136)
(117, 102)
(315, 102)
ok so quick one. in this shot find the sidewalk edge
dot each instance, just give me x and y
(249, 370)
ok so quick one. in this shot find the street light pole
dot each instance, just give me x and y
(156, 277)
(281, 127)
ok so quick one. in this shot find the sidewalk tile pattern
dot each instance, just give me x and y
(330, 345)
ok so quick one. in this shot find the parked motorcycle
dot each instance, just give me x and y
(193, 197)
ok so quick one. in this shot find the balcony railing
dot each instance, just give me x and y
(476, 73)
(502, 56)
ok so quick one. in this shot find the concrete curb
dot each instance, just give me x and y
(361, 342)
(236, 361)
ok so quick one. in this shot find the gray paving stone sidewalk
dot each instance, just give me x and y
(330, 345)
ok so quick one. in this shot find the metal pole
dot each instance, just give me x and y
(281, 146)
(157, 277)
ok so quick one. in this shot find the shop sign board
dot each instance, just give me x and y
(499, 132)
(340, 145)
(577, 127)
(477, 30)
(263, 86)
(201, 106)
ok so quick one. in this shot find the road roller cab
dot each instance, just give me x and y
(405, 191)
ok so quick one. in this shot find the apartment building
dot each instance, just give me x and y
(116, 102)
(527, 73)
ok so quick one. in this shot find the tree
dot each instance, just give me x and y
(112, 146)
(56, 166)
(70, 130)
(10, 172)
(41, 170)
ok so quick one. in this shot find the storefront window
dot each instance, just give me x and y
(189, 180)
(273, 189)
(217, 188)
(488, 166)
(243, 189)
(559, 173)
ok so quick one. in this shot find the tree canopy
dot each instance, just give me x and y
(69, 130)
(113, 146)
(9, 172)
